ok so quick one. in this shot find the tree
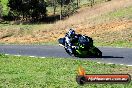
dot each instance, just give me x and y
(0, 10)
(38, 9)
(55, 5)
(34, 9)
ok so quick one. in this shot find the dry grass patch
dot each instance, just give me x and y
(106, 32)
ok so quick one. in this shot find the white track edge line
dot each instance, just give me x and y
(42, 57)
(110, 63)
(17, 55)
(45, 57)
(28, 56)
(32, 56)
(99, 62)
(128, 65)
(6, 54)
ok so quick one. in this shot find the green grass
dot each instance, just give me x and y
(115, 44)
(121, 13)
(124, 12)
(26, 72)
(23, 29)
(88, 2)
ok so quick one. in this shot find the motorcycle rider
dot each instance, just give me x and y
(70, 38)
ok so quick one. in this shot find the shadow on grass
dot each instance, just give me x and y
(17, 21)
(49, 19)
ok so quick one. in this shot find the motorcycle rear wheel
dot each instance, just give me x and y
(98, 53)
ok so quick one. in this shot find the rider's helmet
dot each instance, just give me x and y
(71, 33)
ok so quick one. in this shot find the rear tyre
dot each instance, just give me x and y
(98, 53)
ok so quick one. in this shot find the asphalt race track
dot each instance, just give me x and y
(110, 55)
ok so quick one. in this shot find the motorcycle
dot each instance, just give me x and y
(82, 48)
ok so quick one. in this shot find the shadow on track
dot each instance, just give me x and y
(104, 57)
(111, 57)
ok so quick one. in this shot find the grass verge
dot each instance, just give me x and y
(27, 72)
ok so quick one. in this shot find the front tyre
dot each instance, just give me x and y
(70, 53)
(61, 41)
(75, 54)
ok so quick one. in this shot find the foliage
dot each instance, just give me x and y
(69, 9)
(0, 10)
(34, 9)
(27, 9)
(5, 8)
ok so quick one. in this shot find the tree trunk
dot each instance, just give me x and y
(61, 9)
(54, 5)
(78, 1)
